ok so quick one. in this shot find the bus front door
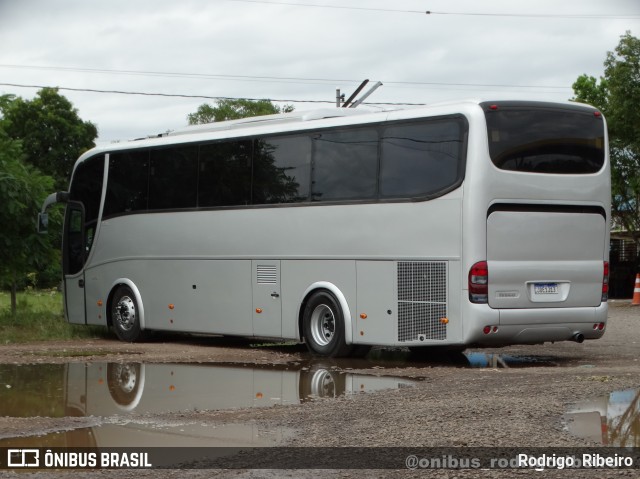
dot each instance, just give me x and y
(73, 258)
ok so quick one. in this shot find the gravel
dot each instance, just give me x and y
(448, 407)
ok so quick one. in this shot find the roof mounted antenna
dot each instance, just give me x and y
(366, 95)
(354, 94)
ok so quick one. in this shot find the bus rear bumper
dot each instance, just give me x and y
(499, 327)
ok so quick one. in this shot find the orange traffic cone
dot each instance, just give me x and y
(636, 292)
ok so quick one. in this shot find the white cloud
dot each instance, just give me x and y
(234, 38)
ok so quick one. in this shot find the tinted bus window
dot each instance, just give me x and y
(173, 178)
(545, 140)
(225, 174)
(345, 165)
(86, 186)
(281, 170)
(421, 159)
(127, 185)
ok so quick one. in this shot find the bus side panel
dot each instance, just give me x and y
(418, 309)
(455, 326)
(298, 275)
(96, 291)
(376, 315)
(209, 296)
(206, 296)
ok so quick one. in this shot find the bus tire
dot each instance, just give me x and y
(324, 327)
(125, 315)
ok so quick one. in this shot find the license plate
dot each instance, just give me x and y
(545, 288)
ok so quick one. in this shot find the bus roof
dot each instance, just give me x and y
(293, 117)
(294, 121)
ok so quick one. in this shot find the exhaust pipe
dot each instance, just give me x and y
(578, 338)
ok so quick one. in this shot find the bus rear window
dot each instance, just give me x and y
(545, 140)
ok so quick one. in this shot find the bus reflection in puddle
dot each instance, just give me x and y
(612, 420)
(493, 361)
(128, 401)
(121, 402)
(151, 388)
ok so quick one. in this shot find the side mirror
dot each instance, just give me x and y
(43, 223)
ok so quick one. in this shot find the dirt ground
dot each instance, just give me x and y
(450, 406)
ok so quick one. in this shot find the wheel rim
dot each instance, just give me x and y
(126, 377)
(323, 325)
(323, 384)
(125, 313)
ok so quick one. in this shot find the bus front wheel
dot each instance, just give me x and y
(125, 315)
(324, 326)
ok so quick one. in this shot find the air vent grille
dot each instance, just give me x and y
(267, 274)
(422, 300)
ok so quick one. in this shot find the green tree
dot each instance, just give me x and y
(22, 190)
(617, 95)
(52, 134)
(234, 109)
(589, 90)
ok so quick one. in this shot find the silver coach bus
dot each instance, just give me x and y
(470, 223)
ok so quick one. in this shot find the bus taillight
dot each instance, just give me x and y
(605, 282)
(479, 283)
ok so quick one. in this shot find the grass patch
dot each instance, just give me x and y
(40, 317)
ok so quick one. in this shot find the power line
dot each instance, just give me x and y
(338, 7)
(172, 95)
(539, 15)
(178, 95)
(431, 12)
(207, 76)
(211, 76)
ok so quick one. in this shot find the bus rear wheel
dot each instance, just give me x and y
(324, 326)
(125, 316)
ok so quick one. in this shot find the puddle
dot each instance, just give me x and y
(612, 420)
(103, 389)
(484, 360)
(399, 357)
(122, 396)
(150, 434)
(106, 389)
(195, 441)
(124, 399)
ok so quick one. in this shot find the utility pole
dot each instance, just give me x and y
(339, 97)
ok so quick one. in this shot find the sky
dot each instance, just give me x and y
(182, 54)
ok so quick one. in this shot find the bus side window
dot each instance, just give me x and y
(225, 174)
(127, 188)
(173, 178)
(281, 170)
(420, 159)
(345, 165)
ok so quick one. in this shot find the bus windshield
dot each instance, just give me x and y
(542, 139)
